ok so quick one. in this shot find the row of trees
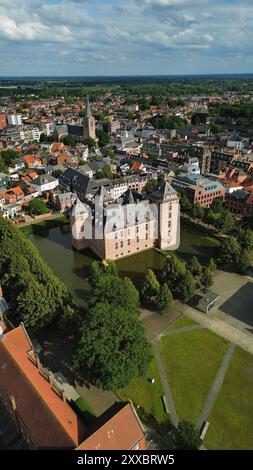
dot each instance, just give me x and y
(176, 279)
(36, 294)
(112, 349)
(216, 215)
(235, 252)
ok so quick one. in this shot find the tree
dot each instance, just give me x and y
(184, 437)
(194, 266)
(8, 155)
(181, 281)
(229, 252)
(206, 278)
(43, 137)
(56, 173)
(103, 138)
(106, 172)
(225, 222)
(185, 204)
(217, 205)
(197, 211)
(100, 269)
(187, 287)
(150, 286)
(36, 294)
(243, 263)
(113, 348)
(245, 239)
(69, 140)
(37, 207)
(150, 185)
(90, 142)
(3, 166)
(211, 265)
(117, 291)
(164, 298)
(109, 287)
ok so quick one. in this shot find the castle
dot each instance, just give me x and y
(114, 228)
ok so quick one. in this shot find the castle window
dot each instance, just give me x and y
(121, 244)
(138, 239)
(146, 226)
(137, 229)
(128, 242)
(116, 236)
(116, 246)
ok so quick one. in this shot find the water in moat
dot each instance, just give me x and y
(72, 267)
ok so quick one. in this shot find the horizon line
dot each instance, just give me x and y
(129, 75)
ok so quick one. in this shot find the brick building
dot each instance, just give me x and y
(199, 190)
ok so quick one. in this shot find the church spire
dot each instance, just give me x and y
(88, 109)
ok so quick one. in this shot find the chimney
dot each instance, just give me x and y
(13, 402)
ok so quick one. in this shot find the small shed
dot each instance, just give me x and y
(207, 302)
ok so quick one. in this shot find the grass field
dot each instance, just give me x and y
(145, 394)
(191, 360)
(231, 421)
(181, 323)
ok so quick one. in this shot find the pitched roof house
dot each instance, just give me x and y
(45, 420)
(42, 413)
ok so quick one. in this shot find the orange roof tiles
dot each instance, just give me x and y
(121, 432)
(50, 421)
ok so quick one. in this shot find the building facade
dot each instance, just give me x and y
(117, 228)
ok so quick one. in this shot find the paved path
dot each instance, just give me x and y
(240, 338)
(184, 329)
(216, 386)
(165, 383)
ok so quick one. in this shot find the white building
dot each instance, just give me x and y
(35, 134)
(14, 119)
(44, 183)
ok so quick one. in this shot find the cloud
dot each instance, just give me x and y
(170, 3)
(140, 36)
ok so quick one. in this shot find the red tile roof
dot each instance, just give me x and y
(50, 420)
(120, 431)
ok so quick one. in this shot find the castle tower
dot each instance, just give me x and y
(169, 217)
(81, 225)
(89, 125)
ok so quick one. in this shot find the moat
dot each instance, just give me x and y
(72, 267)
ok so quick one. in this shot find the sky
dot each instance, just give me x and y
(130, 37)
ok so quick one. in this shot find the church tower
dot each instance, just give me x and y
(89, 127)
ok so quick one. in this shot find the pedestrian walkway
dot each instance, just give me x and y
(216, 386)
(240, 338)
(165, 383)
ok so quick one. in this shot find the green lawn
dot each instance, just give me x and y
(145, 394)
(191, 360)
(182, 322)
(231, 421)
